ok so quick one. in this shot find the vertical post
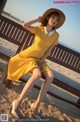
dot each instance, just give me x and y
(78, 103)
(2, 4)
(4, 75)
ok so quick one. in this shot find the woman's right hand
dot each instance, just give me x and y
(28, 26)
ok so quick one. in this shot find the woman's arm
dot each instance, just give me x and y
(28, 26)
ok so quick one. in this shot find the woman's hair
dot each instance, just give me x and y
(46, 19)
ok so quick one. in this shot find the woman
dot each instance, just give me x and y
(33, 58)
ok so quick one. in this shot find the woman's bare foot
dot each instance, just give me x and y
(14, 107)
(34, 109)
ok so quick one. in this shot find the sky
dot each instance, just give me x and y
(27, 10)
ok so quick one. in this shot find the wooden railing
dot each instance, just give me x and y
(66, 57)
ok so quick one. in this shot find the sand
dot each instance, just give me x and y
(50, 109)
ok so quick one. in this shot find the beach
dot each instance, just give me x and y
(50, 109)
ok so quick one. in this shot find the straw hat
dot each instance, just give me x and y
(52, 10)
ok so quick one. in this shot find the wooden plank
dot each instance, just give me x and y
(5, 53)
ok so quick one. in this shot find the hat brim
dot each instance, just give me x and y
(52, 10)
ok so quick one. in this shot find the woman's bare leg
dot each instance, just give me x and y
(49, 78)
(30, 83)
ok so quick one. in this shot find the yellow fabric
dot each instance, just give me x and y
(24, 62)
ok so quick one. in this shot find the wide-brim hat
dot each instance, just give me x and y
(50, 11)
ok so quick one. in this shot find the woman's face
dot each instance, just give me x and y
(53, 19)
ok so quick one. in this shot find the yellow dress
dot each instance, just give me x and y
(24, 62)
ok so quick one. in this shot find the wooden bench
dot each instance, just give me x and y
(16, 34)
